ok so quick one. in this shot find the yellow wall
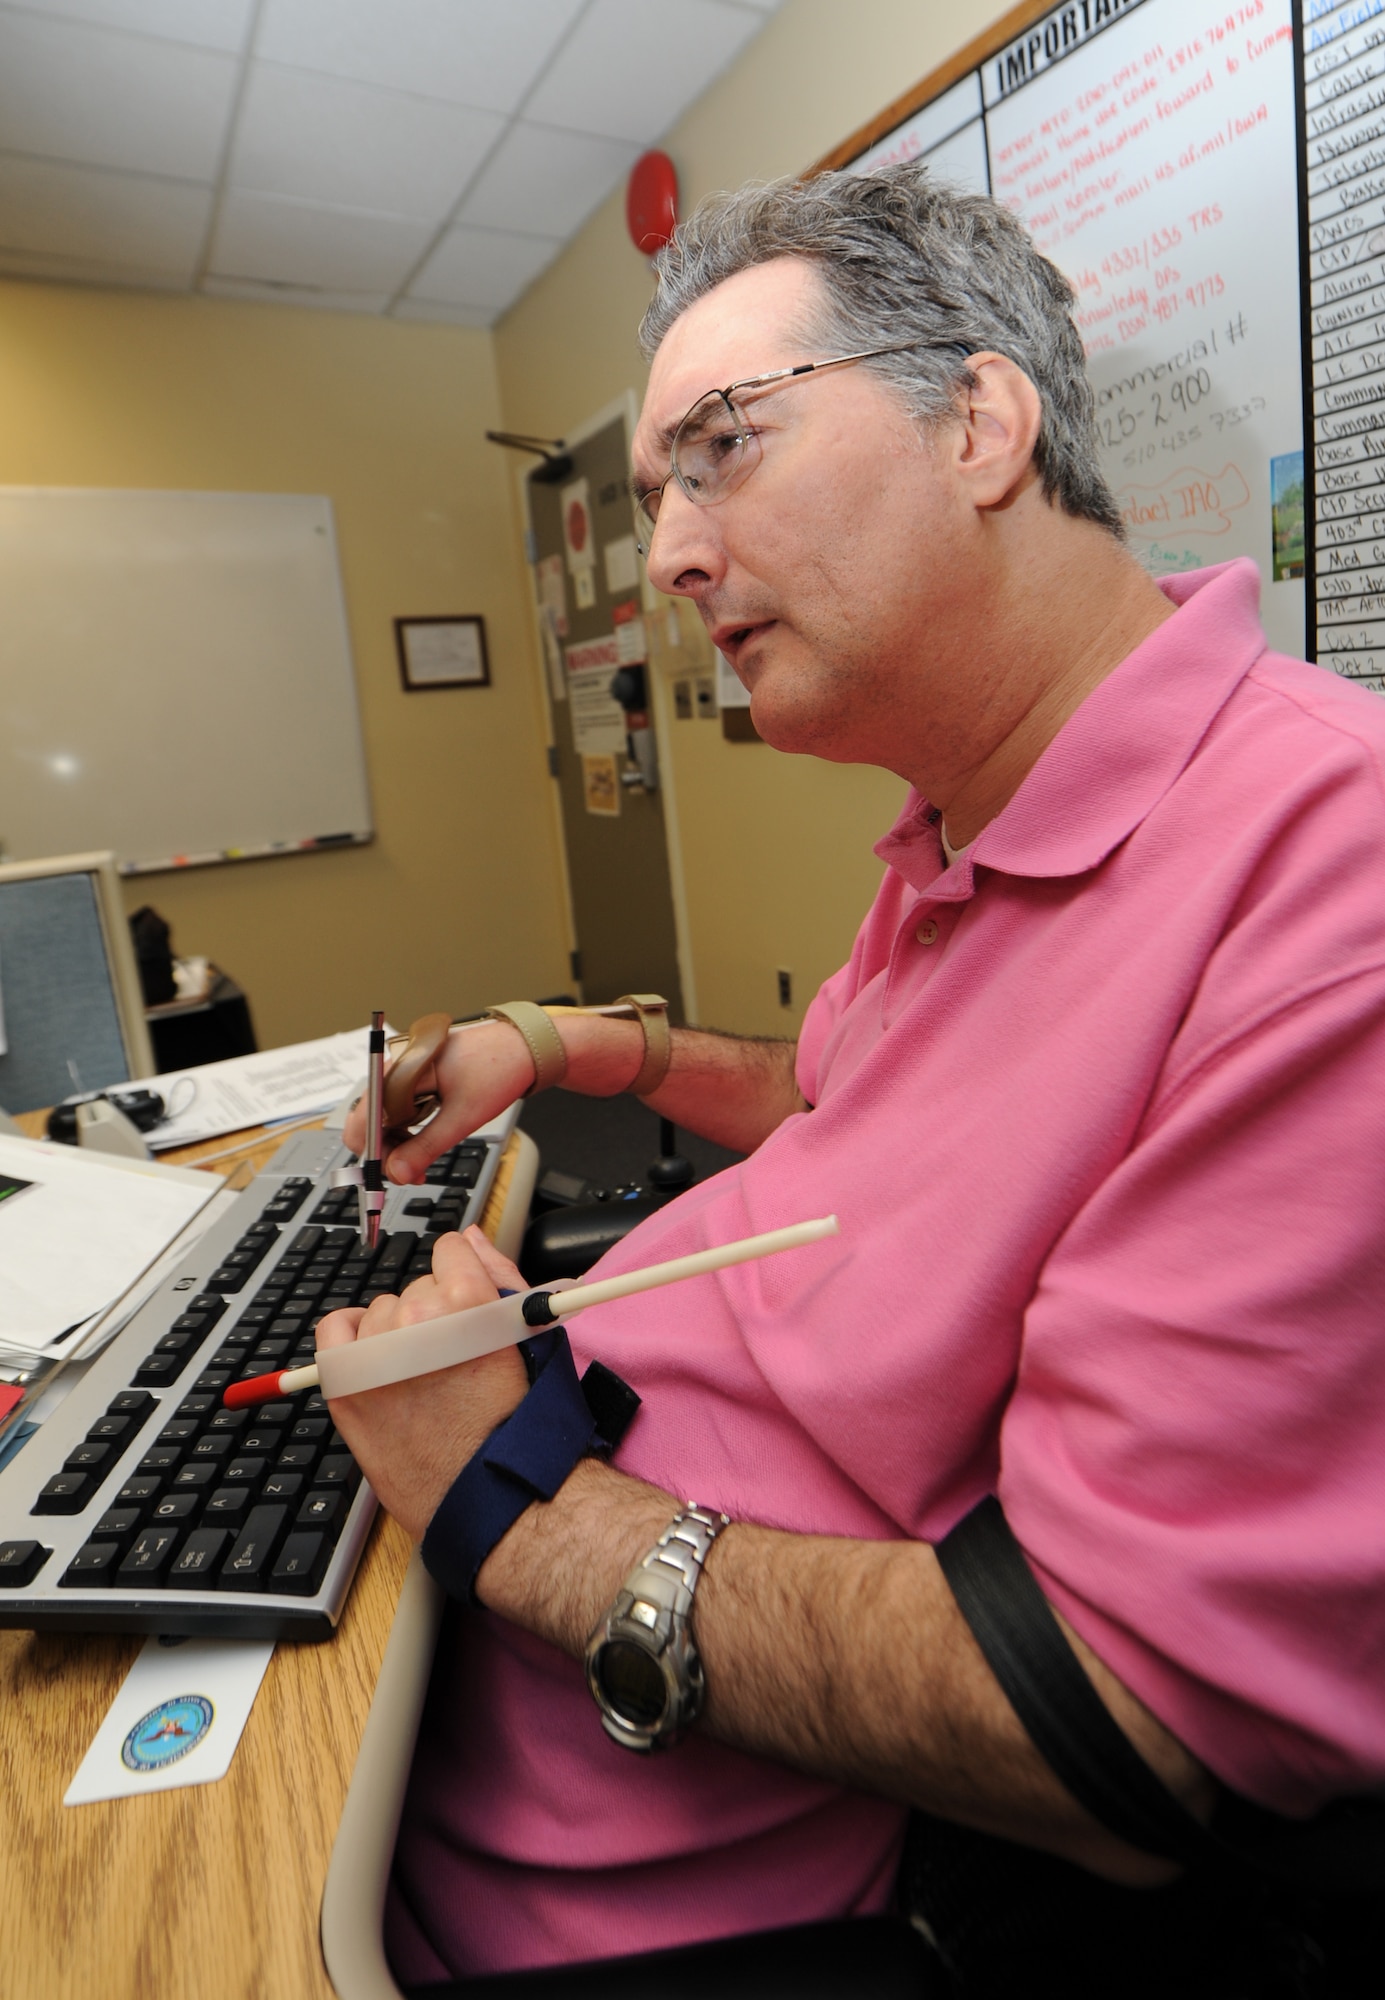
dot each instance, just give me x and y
(776, 850)
(458, 902)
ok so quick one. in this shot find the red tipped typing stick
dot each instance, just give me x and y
(407, 1351)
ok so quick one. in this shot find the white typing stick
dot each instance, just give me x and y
(431, 1344)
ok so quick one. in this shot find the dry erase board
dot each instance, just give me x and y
(1165, 154)
(175, 677)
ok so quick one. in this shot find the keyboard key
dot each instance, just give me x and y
(138, 1492)
(282, 1486)
(64, 1493)
(162, 1460)
(228, 1278)
(262, 1442)
(274, 1413)
(306, 1241)
(244, 1472)
(147, 1558)
(179, 1433)
(248, 1565)
(92, 1568)
(338, 1470)
(195, 1406)
(118, 1524)
(133, 1403)
(110, 1430)
(298, 1458)
(159, 1370)
(197, 1559)
(309, 1430)
(302, 1564)
(194, 1322)
(207, 1303)
(89, 1457)
(196, 1476)
(213, 1444)
(323, 1510)
(228, 1503)
(214, 1380)
(177, 1507)
(229, 1421)
(177, 1343)
(20, 1563)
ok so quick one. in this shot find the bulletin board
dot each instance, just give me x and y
(1210, 175)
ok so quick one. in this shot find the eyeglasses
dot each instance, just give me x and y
(716, 447)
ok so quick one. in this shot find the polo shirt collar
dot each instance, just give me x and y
(1117, 755)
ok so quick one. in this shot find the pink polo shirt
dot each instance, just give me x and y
(1101, 1108)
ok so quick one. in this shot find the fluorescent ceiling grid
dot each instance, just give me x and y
(421, 159)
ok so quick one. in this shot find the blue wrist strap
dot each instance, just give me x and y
(526, 1458)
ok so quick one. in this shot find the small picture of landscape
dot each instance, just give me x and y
(1286, 514)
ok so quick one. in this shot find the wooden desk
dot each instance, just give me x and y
(211, 1893)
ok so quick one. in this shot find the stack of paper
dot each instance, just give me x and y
(258, 1090)
(78, 1230)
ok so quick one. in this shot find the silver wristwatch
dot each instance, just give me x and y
(642, 1666)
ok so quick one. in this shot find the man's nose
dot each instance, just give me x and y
(684, 552)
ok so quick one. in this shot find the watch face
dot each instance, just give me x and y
(632, 1683)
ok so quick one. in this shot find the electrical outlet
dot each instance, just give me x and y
(785, 987)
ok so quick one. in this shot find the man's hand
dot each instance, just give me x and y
(413, 1438)
(480, 1069)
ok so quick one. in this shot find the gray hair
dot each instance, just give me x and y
(901, 254)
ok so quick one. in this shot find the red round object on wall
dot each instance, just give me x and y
(651, 202)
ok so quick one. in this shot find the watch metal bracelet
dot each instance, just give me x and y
(642, 1666)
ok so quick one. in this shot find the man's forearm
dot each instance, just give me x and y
(847, 1659)
(731, 1089)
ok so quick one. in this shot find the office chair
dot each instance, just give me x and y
(71, 1007)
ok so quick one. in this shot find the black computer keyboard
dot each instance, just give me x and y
(143, 1504)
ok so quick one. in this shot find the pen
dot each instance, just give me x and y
(372, 1193)
(407, 1351)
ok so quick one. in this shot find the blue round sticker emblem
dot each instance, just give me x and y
(167, 1733)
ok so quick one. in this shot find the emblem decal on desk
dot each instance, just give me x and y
(151, 1729)
(167, 1732)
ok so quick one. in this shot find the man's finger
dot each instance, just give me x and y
(338, 1329)
(504, 1275)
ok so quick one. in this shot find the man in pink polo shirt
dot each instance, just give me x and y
(1097, 1099)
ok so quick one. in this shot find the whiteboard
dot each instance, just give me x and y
(1150, 148)
(175, 677)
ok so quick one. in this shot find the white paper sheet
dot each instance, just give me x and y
(81, 1233)
(176, 1720)
(255, 1090)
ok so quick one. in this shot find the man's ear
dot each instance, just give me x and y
(1000, 417)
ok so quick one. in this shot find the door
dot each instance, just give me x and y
(591, 614)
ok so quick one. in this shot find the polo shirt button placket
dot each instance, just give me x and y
(927, 932)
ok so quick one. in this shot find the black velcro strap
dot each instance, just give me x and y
(1044, 1682)
(612, 1402)
(1341, 1852)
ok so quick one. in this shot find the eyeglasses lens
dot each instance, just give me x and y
(713, 449)
(709, 448)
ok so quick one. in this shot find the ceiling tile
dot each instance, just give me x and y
(116, 219)
(298, 243)
(481, 52)
(295, 295)
(111, 100)
(427, 309)
(482, 268)
(208, 24)
(354, 147)
(88, 271)
(618, 75)
(546, 183)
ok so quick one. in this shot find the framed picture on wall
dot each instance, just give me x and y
(442, 653)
